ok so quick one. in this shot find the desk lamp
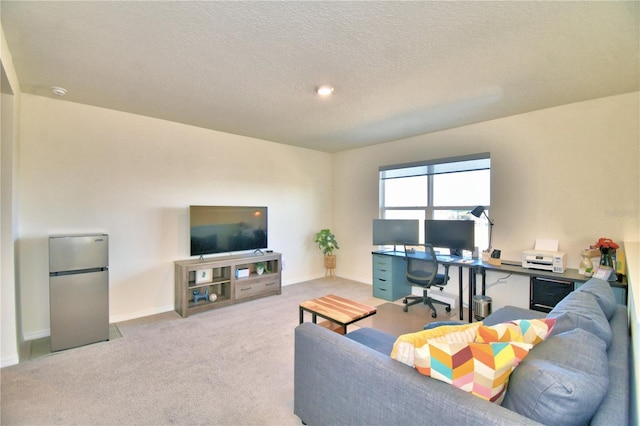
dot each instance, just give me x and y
(477, 212)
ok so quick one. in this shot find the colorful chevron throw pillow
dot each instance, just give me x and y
(405, 345)
(475, 358)
(482, 369)
(526, 331)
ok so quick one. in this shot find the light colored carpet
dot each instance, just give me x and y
(228, 366)
(42, 347)
(391, 319)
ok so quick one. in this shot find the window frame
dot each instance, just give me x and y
(431, 168)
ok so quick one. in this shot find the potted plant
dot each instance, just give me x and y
(261, 268)
(327, 243)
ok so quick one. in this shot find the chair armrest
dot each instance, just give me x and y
(445, 275)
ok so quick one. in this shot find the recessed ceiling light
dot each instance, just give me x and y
(59, 91)
(324, 90)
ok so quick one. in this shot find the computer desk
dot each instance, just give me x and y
(477, 266)
(474, 266)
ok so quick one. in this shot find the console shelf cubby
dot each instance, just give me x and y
(203, 284)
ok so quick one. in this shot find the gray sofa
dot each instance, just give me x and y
(578, 375)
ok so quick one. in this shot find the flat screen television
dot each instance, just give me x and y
(455, 235)
(221, 229)
(388, 232)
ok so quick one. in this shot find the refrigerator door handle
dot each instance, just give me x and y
(79, 271)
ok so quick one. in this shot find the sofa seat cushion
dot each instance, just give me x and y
(375, 339)
(603, 293)
(580, 310)
(437, 324)
(562, 381)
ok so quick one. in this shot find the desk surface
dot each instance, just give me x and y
(446, 258)
(509, 267)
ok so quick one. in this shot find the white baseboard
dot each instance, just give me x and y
(112, 319)
(140, 314)
(8, 361)
(36, 335)
(444, 297)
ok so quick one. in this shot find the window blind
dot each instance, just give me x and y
(434, 167)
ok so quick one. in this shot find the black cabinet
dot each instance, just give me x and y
(545, 293)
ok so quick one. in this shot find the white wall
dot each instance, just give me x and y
(561, 173)
(8, 210)
(86, 169)
(633, 274)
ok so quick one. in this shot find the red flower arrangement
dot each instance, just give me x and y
(606, 243)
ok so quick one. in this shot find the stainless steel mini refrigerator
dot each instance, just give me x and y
(78, 290)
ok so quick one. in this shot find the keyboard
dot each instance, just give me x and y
(445, 258)
(454, 259)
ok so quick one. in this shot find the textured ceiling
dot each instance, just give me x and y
(399, 68)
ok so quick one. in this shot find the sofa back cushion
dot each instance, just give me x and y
(603, 293)
(562, 381)
(580, 310)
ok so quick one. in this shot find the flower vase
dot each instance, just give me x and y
(607, 262)
(606, 258)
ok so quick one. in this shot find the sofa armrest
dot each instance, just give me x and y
(340, 381)
(614, 409)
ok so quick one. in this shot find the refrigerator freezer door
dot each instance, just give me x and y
(79, 305)
(75, 253)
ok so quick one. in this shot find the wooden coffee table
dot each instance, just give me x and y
(338, 311)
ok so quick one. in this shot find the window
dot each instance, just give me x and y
(438, 189)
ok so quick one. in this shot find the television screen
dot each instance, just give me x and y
(455, 235)
(388, 232)
(220, 229)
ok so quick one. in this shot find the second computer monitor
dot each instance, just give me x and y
(456, 235)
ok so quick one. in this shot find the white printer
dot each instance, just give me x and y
(545, 256)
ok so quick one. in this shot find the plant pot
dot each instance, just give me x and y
(330, 261)
(330, 265)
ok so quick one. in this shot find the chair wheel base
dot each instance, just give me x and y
(448, 309)
(434, 315)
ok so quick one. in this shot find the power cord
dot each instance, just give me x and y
(501, 280)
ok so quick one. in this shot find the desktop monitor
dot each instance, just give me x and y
(455, 235)
(387, 232)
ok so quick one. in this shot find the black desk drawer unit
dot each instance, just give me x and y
(545, 293)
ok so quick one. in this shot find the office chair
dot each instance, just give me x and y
(422, 271)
